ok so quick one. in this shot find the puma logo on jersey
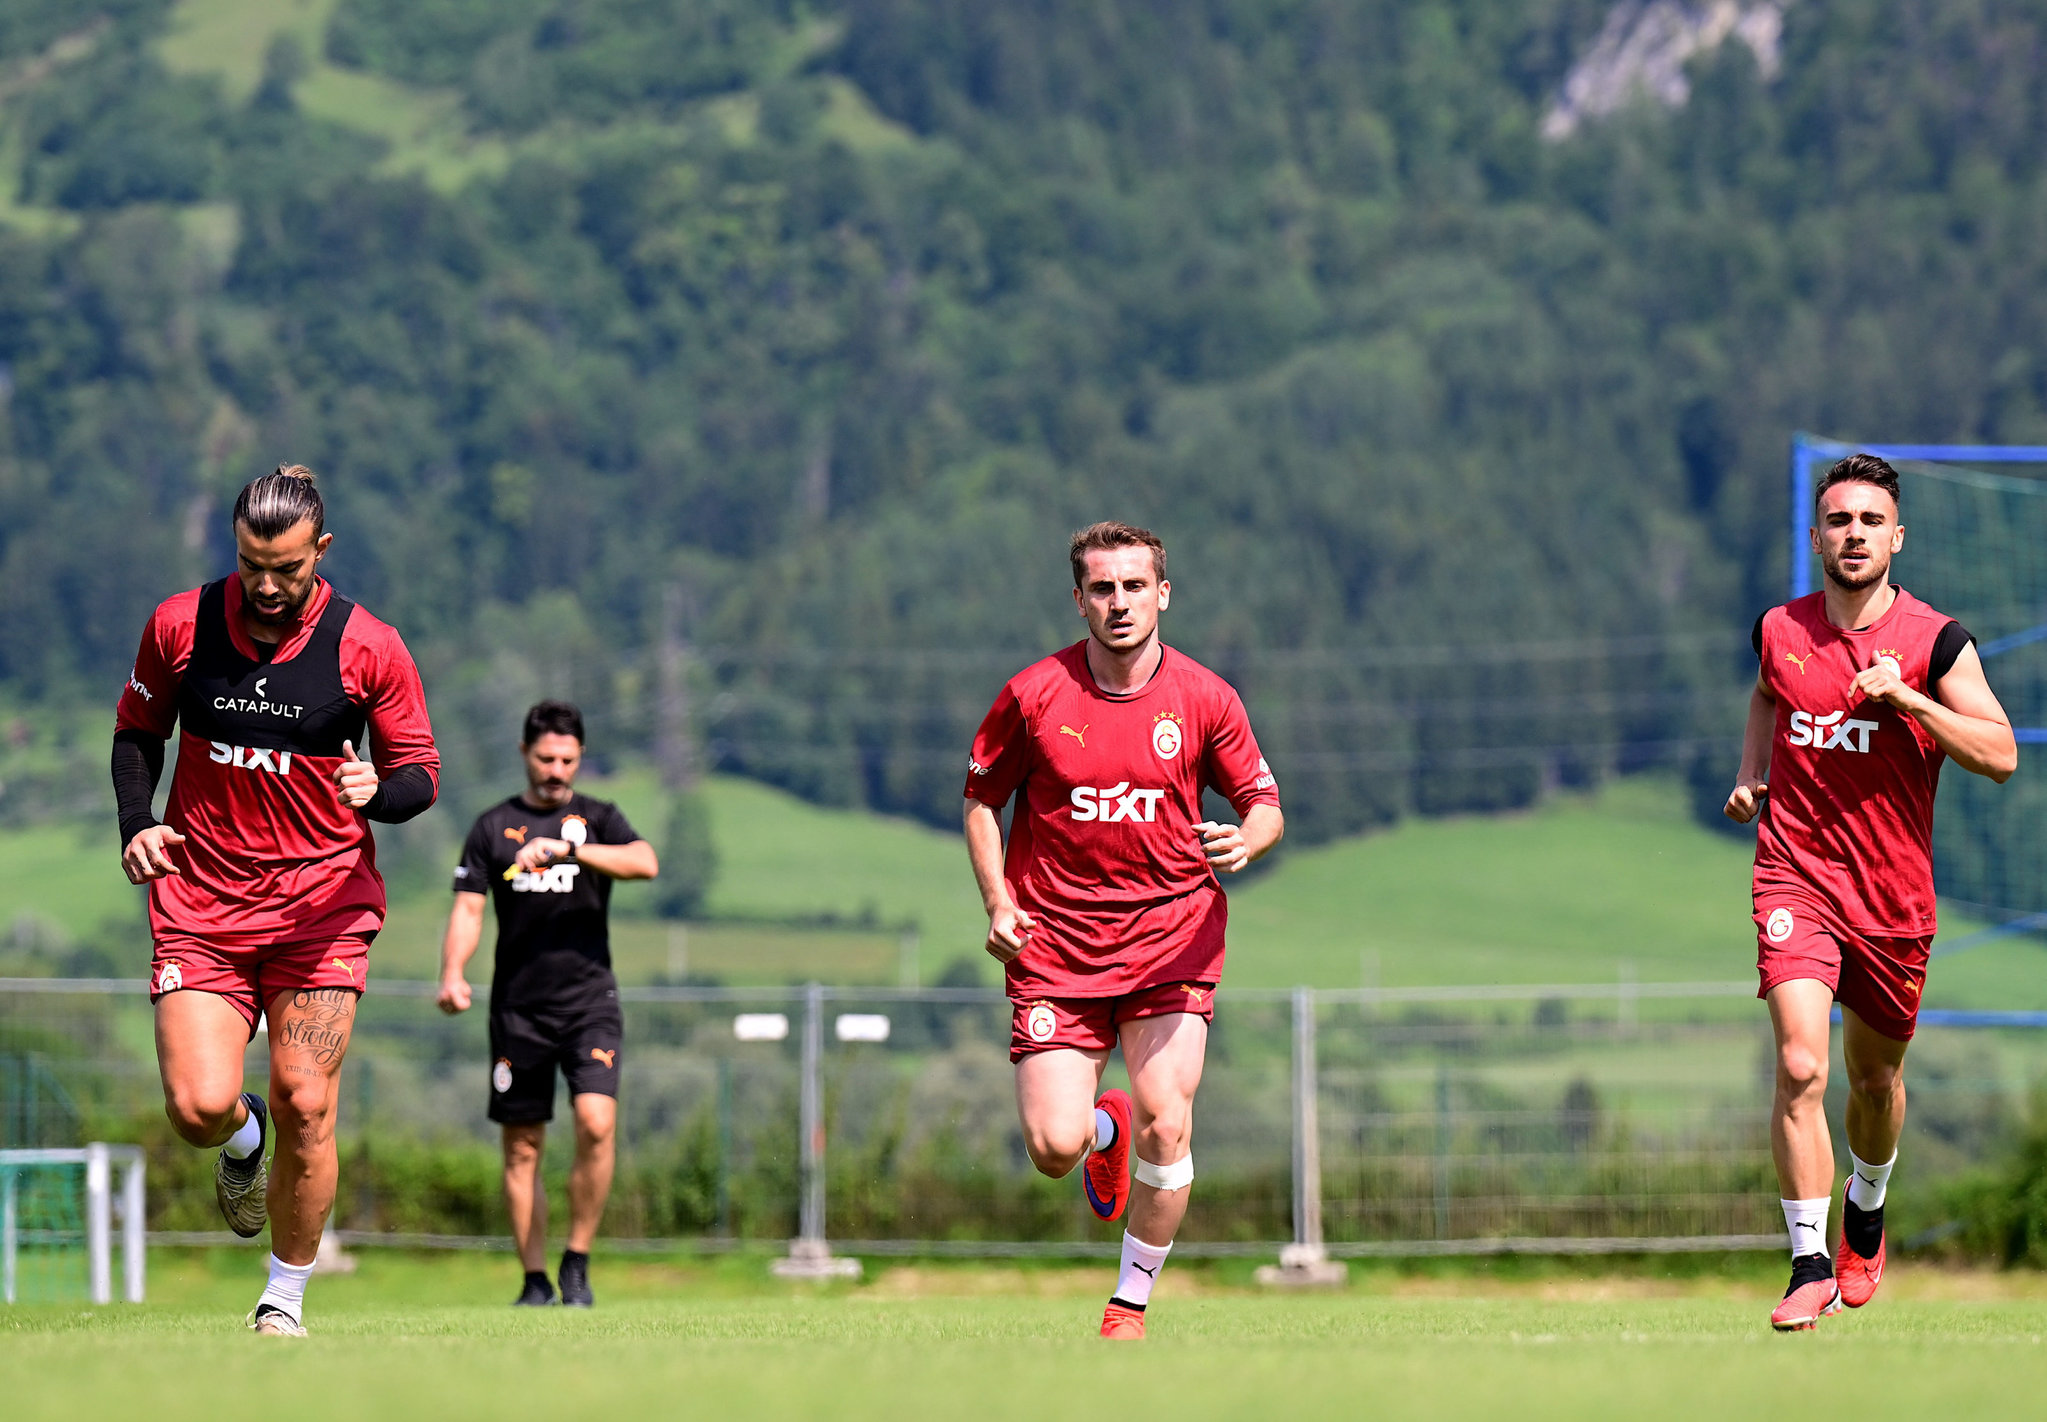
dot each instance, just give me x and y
(554, 879)
(346, 967)
(277, 762)
(1079, 735)
(1830, 732)
(516, 836)
(1799, 661)
(598, 1054)
(1117, 802)
(1195, 996)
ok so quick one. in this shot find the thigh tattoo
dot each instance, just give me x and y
(317, 1024)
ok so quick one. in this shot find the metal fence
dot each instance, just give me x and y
(1565, 1119)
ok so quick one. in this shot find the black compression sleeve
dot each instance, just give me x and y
(1946, 647)
(1756, 637)
(138, 765)
(400, 795)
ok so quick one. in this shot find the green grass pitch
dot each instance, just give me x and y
(411, 1337)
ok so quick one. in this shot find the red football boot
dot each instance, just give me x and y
(1857, 1275)
(1812, 1296)
(1105, 1176)
(1123, 1322)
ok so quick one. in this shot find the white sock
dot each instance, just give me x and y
(1807, 1222)
(1868, 1184)
(1105, 1129)
(287, 1288)
(1141, 1265)
(247, 1139)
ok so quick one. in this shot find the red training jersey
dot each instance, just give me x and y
(271, 854)
(1849, 814)
(1103, 853)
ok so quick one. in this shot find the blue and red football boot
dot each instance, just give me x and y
(1105, 1175)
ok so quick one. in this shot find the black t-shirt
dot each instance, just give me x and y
(554, 936)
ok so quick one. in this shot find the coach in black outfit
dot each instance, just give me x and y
(547, 857)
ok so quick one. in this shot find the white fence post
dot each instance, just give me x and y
(810, 1257)
(10, 1231)
(99, 1208)
(1305, 1261)
(134, 1240)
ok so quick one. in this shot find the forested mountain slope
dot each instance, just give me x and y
(792, 340)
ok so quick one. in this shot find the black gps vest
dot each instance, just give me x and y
(296, 706)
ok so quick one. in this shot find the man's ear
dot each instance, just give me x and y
(1165, 596)
(320, 548)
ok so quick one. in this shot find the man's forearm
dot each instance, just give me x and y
(137, 767)
(458, 944)
(620, 861)
(1264, 826)
(1755, 737)
(1978, 745)
(984, 852)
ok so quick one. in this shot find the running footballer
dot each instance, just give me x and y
(1863, 692)
(1106, 908)
(546, 857)
(263, 885)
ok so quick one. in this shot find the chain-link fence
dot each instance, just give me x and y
(1562, 1119)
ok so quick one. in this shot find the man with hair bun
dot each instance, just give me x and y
(300, 720)
(546, 857)
(1862, 693)
(1107, 910)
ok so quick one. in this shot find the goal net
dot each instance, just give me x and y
(1975, 519)
(59, 1212)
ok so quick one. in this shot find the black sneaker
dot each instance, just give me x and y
(538, 1293)
(575, 1280)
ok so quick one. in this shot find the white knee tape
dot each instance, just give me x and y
(1177, 1176)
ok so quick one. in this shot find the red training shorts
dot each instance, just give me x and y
(1089, 1023)
(1881, 979)
(251, 978)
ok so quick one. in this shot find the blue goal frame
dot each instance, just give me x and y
(1809, 449)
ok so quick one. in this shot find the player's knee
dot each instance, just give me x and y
(304, 1109)
(1167, 1135)
(199, 1117)
(595, 1126)
(1873, 1081)
(1053, 1150)
(1800, 1071)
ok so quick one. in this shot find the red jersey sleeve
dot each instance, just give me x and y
(1002, 751)
(149, 702)
(377, 669)
(1231, 764)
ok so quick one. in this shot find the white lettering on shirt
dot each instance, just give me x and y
(1115, 803)
(1830, 732)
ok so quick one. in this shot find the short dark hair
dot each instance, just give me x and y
(1111, 534)
(275, 503)
(552, 718)
(1858, 469)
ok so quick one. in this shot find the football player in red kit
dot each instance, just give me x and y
(263, 885)
(1106, 908)
(1863, 691)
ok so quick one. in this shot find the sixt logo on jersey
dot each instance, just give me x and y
(1117, 802)
(277, 762)
(1830, 732)
(554, 879)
